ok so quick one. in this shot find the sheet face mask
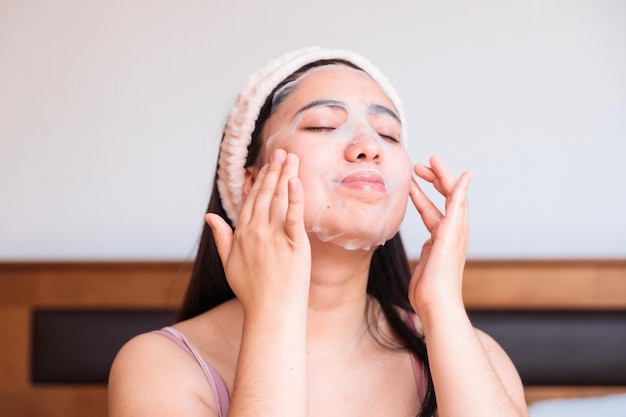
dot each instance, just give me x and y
(371, 221)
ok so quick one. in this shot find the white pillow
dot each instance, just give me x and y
(606, 406)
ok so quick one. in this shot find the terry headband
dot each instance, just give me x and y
(243, 115)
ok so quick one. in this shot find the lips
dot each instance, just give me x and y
(364, 180)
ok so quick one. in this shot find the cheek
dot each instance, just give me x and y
(400, 171)
(313, 175)
(316, 157)
(288, 141)
(313, 165)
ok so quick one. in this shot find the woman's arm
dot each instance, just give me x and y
(268, 265)
(472, 374)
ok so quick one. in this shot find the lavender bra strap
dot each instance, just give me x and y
(418, 369)
(215, 380)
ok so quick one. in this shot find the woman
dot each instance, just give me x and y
(301, 301)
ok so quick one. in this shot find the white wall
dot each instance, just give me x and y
(110, 112)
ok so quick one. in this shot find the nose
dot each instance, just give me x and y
(364, 146)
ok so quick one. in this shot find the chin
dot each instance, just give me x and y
(358, 244)
(366, 239)
(354, 227)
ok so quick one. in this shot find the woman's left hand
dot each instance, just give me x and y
(437, 279)
(458, 354)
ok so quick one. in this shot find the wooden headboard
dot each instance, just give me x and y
(34, 295)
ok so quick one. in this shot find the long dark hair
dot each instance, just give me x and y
(389, 272)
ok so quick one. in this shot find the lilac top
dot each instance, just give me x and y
(217, 383)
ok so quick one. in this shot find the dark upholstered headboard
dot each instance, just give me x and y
(577, 348)
(78, 346)
(562, 322)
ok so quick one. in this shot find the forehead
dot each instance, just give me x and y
(337, 82)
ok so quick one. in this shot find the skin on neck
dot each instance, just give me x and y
(337, 295)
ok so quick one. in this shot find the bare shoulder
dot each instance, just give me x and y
(504, 367)
(152, 376)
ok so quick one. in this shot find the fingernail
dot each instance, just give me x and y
(291, 158)
(278, 155)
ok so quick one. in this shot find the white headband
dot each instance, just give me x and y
(242, 119)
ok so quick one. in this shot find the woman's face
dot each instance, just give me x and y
(354, 170)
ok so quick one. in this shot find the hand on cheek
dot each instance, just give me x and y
(437, 279)
(267, 258)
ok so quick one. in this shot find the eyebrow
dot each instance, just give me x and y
(378, 109)
(372, 108)
(322, 103)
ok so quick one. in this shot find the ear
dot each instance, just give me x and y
(249, 179)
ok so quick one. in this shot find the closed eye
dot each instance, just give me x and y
(319, 129)
(388, 137)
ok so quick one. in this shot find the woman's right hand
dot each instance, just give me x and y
(267, 260)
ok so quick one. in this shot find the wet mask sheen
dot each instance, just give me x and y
(340, 124)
